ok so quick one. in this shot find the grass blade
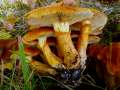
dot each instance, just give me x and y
(25, 66)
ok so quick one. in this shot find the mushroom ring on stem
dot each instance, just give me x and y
(60, 17)
(41, 35)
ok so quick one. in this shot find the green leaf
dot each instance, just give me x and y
(25, 66)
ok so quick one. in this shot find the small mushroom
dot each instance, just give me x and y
(41, 35)
(36, 65)
(60, 17)
(90, 26)
(83, 41)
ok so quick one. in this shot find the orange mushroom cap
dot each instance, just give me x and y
(45, 16)
(30, 51)
(36, 33)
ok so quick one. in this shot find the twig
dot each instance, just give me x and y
(42, 83)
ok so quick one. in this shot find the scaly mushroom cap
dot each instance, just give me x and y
(45, 16)
(98, 21)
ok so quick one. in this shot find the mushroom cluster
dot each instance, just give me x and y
(68, 29)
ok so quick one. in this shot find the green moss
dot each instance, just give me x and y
(5, 35)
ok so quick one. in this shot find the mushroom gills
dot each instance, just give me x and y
(92, 38)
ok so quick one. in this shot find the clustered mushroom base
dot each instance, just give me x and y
(62, 22)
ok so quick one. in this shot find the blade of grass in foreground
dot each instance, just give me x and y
(25, 66)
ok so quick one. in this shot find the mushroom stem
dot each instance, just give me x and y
(40, 67)
(83, 41)
(36, 65)
(51, 58)
(92, 38)
(65, 44)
